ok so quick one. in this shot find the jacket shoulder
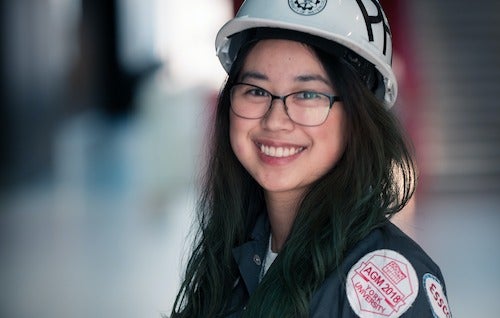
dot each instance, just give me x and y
(387, 274)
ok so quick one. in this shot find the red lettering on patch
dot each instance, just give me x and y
(436, 297)
(382, 284)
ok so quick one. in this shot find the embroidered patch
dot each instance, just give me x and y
(307, 7)
(382, 283)
(436, 297)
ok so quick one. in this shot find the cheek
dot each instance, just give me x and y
(340, 126)
(336, 147)
(236, 136)
(342, 137)
(335, 139)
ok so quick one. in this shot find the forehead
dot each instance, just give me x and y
(273, 54)
(283, 61)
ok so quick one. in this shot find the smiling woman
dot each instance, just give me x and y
(305, 171)
(283, 65)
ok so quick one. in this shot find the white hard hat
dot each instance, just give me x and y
(359, 25)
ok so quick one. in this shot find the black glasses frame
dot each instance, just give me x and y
(332, 99)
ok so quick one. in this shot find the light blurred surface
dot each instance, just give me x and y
(95, 211)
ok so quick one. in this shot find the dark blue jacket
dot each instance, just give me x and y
(387, 274)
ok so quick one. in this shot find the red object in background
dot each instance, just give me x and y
(236, 5)
(409, 104)
(404, 61)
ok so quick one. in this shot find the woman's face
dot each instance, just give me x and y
(282, 156)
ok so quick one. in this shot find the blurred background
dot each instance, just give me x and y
(103, 112)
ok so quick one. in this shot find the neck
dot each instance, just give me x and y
(281, 209)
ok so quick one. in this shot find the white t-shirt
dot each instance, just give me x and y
(269, 259)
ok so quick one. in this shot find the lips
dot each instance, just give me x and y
(280, 152)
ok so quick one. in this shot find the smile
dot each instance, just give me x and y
(280, 152)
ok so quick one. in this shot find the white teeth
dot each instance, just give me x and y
(279, 152)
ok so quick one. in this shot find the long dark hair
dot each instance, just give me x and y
(373, 180)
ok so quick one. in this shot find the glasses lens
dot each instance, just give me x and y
(249, 101)
(308, 108)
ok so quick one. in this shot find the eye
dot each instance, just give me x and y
(256, 92)
(307, 95)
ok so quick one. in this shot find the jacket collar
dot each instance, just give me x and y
(250, 255)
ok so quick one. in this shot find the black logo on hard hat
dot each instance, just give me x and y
(372, 20)
(307, 7)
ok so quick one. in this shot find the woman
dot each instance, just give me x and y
(306, 166)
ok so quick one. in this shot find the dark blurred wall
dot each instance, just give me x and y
(111, 87)
(4, 123)
(34, 60)
(58, 59)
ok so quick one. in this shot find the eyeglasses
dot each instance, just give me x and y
(306, 108)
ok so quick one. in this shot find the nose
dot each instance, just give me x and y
(276, 117)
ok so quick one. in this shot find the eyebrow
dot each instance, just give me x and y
(300, 78)
(312, 77)
(253, 75)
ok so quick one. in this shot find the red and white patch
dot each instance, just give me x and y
(436, 297)
(382, 283)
